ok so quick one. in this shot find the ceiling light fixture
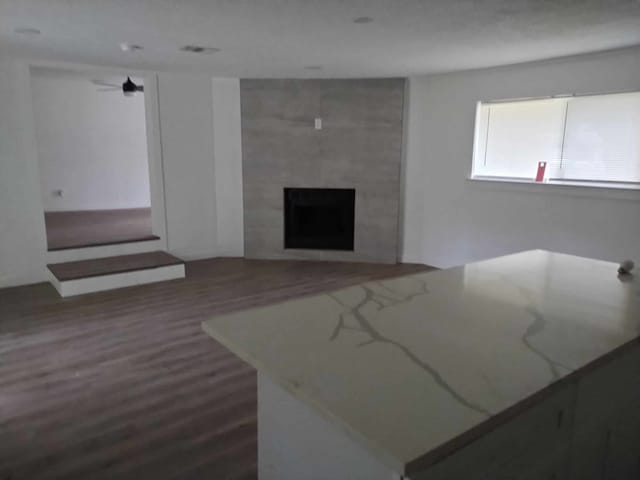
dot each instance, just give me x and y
(199, 49)
(27, 31)
(130, 47)
(362, 20)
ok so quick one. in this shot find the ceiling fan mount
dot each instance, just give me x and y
(128, 87)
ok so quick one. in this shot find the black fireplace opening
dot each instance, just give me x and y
(319, 218)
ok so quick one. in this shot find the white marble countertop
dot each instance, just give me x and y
(406, 365)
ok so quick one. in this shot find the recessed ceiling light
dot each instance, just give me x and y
(363, 20)
(129, 47)
(199, 49)
(27, 31)
(313, 67)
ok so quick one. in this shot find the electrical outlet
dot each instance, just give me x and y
(318, 123)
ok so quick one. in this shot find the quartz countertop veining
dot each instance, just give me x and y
(408, 364)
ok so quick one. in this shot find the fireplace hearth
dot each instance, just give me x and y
(319, 218)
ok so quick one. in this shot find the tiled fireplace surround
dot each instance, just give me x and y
(359, 146)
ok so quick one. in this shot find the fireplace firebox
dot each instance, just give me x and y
(319, 218)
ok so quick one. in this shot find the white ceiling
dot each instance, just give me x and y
(277, 38)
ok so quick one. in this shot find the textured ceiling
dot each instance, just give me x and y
(277, 38)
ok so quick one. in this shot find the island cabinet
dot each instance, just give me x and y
(294, 442)
(588, 430)
(524, 367)
(533, 445)
(606, 432)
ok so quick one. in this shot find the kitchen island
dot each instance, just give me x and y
(520, 367)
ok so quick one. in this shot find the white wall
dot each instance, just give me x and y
(198, 200)
(186, 125)
(22, 236)
(449, 220)
(92, 145)
(227, 147)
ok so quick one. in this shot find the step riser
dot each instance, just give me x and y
(69, 288)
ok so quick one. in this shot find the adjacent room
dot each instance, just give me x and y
(92, 158)
(302, 240)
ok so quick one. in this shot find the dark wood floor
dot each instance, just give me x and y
(90, 228)
(125, 385)
(111, 265)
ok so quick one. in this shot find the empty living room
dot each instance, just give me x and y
(320, 240)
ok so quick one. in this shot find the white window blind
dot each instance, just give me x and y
(602, 139)
(582, 139)
(518, 136)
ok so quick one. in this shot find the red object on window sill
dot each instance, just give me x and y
(541, 168)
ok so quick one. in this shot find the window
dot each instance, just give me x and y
(589, 139)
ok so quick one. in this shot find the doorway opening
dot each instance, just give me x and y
(91, 136)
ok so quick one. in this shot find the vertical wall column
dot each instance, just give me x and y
(227, 148)
(186, 125)
(22, 233)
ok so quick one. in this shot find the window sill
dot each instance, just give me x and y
(597, 190)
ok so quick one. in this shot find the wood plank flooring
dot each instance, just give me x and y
(91, 228)
(125, 385)
(111, 265)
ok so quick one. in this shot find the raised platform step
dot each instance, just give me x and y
(85, 276)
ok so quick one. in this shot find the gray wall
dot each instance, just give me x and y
(359, 146)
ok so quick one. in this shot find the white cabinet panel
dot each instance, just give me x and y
(606, 443)
(588, 454)
(623, 455)
(533, 440)
(604, 392)
(622, 461)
